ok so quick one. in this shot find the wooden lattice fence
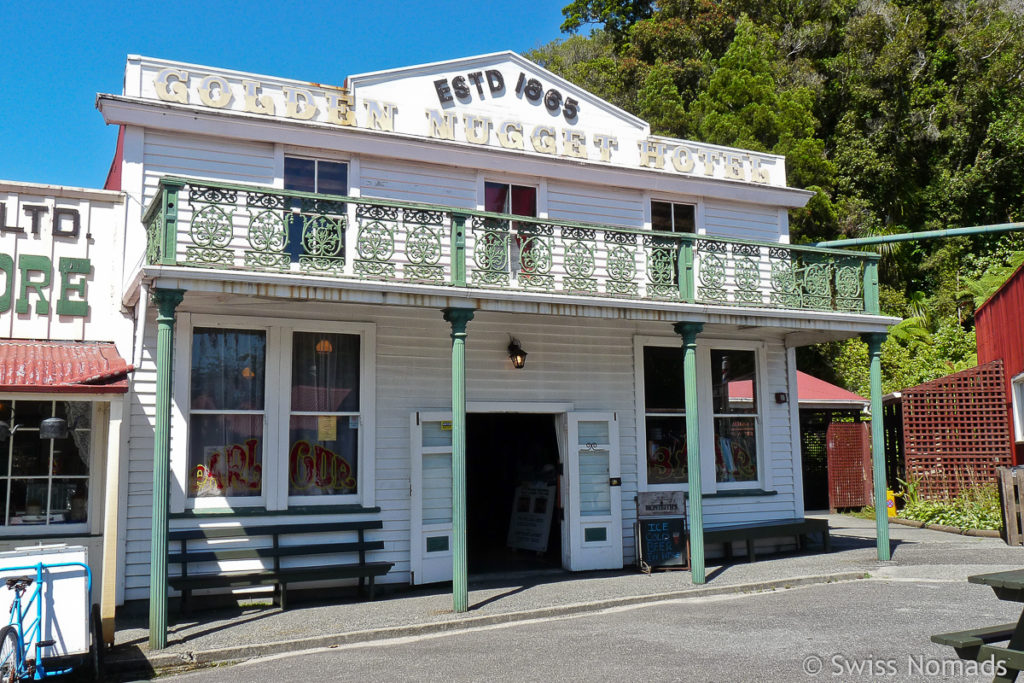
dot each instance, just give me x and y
(849, 465)
(956, 430)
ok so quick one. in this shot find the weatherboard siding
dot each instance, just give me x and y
(584, 362)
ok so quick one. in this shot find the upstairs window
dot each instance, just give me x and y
(518, 200)
(316, 176)
(673, 217)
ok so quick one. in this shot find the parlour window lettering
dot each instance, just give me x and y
(277, 414)
(324, 422)
(664, 415)
(734, 399)
(45, 482)
(673, 217)
(226, 425)
(315, 176)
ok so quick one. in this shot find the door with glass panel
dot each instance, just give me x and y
(592, 473)
(431, 478)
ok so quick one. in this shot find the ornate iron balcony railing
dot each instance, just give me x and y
(217, 225)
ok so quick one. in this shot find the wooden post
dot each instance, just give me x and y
(166, 300)
(459, 318)
(689, 332)
(1008, 501)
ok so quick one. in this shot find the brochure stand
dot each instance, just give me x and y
(662, 536)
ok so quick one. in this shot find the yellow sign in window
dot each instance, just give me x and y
(327, 428)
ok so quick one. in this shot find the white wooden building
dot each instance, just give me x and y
(63, 345)
(314, 235)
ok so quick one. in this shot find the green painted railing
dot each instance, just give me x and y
(217, 225)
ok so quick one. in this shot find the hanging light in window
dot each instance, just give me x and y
(324, 346)
(516, 353)
(53, 428)
(248, 373)
(50, 428)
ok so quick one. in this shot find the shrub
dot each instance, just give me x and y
(975, 507)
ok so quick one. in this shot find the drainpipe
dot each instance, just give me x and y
(926, 235)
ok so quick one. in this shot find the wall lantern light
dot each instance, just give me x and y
(781, 397)
(516, 353)
(50, 428)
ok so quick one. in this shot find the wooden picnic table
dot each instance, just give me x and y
(976, 644)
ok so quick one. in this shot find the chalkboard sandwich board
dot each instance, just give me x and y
(662, 542)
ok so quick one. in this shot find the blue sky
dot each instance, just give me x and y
(57, 55)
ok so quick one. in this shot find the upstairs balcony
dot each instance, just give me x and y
(212, 225)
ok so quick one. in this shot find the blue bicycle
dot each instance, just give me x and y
(23, 652)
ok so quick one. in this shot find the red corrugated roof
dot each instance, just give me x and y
(65, 366)
(809, 389)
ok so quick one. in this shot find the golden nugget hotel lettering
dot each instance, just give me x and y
(556, 135)
(172, 85)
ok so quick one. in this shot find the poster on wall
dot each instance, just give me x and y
(531, 517)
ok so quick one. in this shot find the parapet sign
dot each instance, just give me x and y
(661, 504)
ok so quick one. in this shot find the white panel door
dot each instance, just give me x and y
(431, 527)
(594, 513)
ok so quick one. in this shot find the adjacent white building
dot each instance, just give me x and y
(63, 345)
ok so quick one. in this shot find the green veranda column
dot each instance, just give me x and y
(459, 318)
(689, 332)
(874, 342)
(166, 301)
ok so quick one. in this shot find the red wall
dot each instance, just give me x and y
(1000, 330)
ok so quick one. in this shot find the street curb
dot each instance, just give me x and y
(983, 533)
(169, 661)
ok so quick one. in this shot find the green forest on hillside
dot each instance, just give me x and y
(902, 115)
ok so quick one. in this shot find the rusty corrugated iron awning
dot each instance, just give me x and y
(62, 366)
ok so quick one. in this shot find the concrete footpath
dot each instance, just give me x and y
(229, 635)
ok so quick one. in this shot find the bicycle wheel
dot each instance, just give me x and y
(9, 655)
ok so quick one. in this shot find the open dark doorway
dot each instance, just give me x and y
(513, 495)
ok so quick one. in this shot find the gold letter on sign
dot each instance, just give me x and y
(605, 144)
(574, 144)
(170, 86)
(298, 104)
(510, 135)
(543, 140)
(478, 129)
(214, 91)
(652, 153)
(681, 159)
(339, 108)
(256, 103)
(380, 115)
(440, 125)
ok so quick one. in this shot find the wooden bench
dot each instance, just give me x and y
(968, 643)
(275, 574)
(800, 528)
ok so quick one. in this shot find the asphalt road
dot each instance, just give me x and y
(875, 629)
